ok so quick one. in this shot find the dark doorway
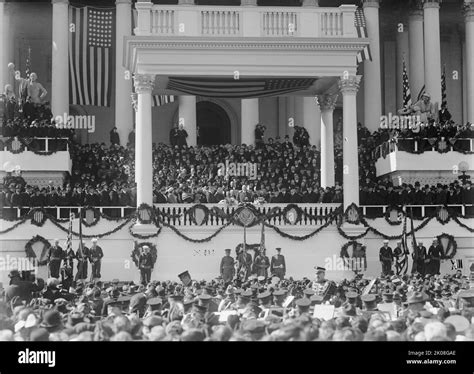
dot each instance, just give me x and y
(213, 124)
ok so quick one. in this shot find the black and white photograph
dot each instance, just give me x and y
(252, 171)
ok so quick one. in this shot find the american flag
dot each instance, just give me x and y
(159, 100)
(238, 88)
(444, 100)
(361, 27)
(28, 63)
(420, 94)
(91, 55)
(456, 264)
(406, 87)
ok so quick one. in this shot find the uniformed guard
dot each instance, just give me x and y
(278, 265)
(261, 264)
(145, 263)
(386, 258)
(279, 297)
(435, 254)
(55, 256)
(96, 255)
(321, 284)
(303, 306)
(82, 256)
(227, 268)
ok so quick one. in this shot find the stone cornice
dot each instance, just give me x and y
(431, 4)
(143, 83)
(350, 84)
(468, 10)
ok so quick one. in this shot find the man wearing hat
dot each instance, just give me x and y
(145, 263)
(419, 259)
(227, 267)
(261, 264)
(435, 254)
(55, 256)
(279, 297)
(96, 255)
(386, 258)
(278, 265)
(321, 286)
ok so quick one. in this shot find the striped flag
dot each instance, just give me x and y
(238, 88)
(444, 100)
(456, 264)
(406, 88)
(159, 100)
(420, 94)
(69, 235)
(91, 55)
(361, 27)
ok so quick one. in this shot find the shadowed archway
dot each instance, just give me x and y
(213, 124)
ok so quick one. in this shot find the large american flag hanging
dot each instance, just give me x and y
(238, 88)
(91, 55)
(159, 100)
(406, 88)
(361, 27)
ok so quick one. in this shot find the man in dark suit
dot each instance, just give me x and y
(278, 265)
(55, 256)
(96, 255)
(82, 256)
(386, 258)
(21, 288)
(435, 254)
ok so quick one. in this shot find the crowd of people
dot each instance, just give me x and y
(395, 308)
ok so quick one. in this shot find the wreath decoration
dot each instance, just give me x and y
(30, 253)
(292, 214)
(135, 255)
(353, 214)
(389, 212)
(21, 148)
(451, 248)
(443, 215)
(199, 214)
(96, 216)
(145, 210)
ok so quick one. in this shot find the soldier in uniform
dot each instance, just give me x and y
(67, 276)
(145, 263)
(321, 284)
(278, 265)
(419, 257)
(82, 255)
(279, 297)
(435, 254)
(386, 258)
(261, 264)
(55, 256)
(96, 255)
(227, 267)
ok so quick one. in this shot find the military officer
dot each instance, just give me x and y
(227, 267)
(386, 258)
(96, 255)
(435, 254)
(321, 284)
(419, 258)
(278, 265)
(55, 256)
(82, 256)
(145, 264)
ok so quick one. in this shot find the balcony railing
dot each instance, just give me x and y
(41, 145)
(418, 211)
(245, 21)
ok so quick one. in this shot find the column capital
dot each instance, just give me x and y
(248, 2)
(117, 2)
(468, 10)
(371, 3)
(349, 84)
(186, 2)
(327, 102)
(143, 83)
(431, 4)
(59, 2)
(134, 97)
(311, 3)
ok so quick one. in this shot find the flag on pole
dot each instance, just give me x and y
(414, 243)
(69, 235)
(361, 27)
(444, 100)
(91, 55)
(420, 94)
(406, 88)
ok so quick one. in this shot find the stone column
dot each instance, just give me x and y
(60, 63)
(327, 103)
(143, 139)
(250, 118)
(349, 86)
(3, 48)
(372, 80)
(469, 21)
(312, 119)
(432, 50)
(187, 117)
(417, 49)
(123, 78)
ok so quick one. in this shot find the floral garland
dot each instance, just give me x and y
(204, 240)
(135, 255)
(456, 219)
(25, 145)
(143, 237)
(118, 228)
(96, 216)
(8, 144)
(15, 225)
(30, 253)
(287, 209)
(451, 248)
(300, 238)
(192, 214)
(151, 211)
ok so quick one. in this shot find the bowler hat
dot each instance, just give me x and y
(52, 318)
